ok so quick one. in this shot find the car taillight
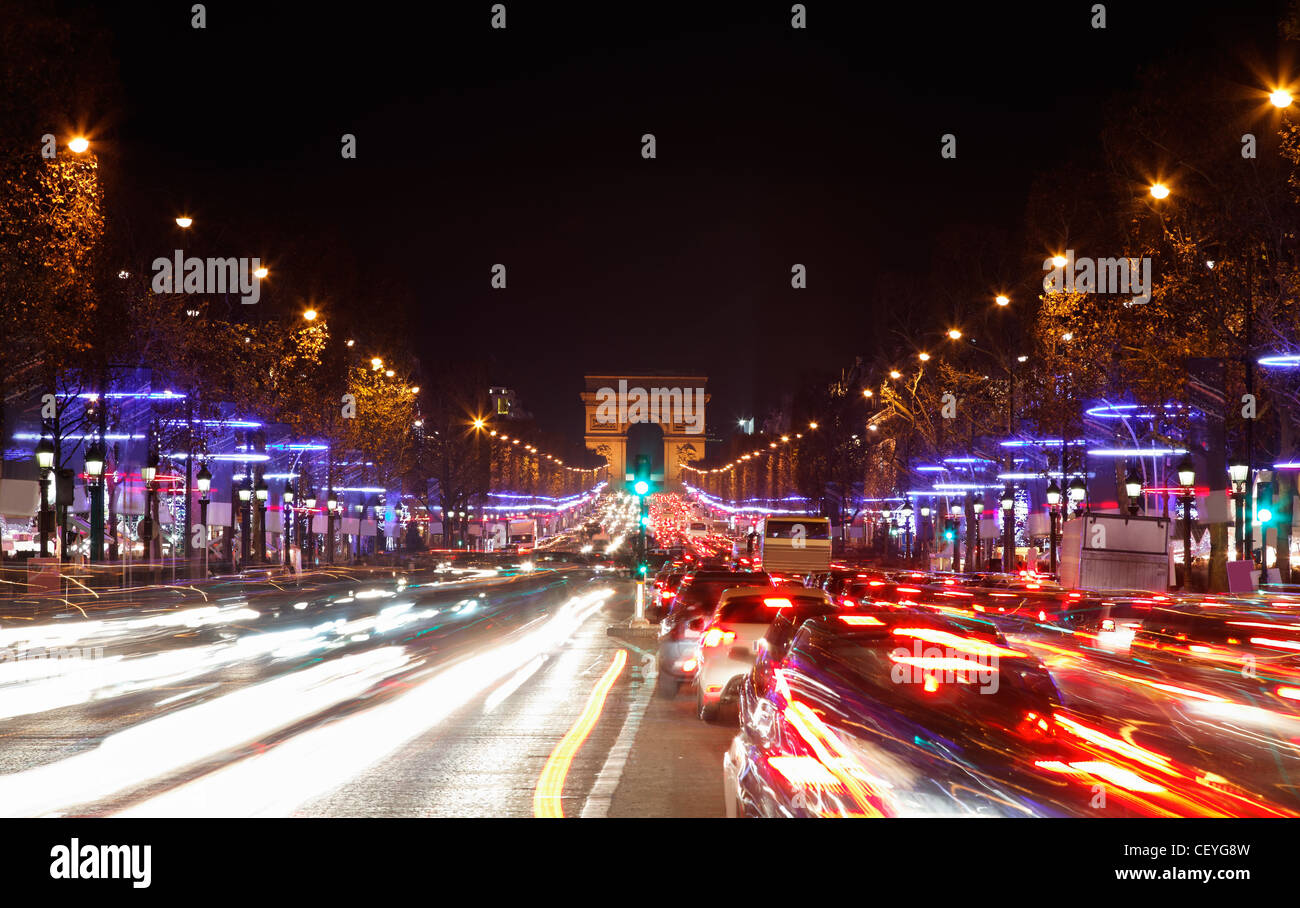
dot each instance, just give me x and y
(1107, 624)
(689, 665)
(847, 601)
(716, 636)
(862, 620)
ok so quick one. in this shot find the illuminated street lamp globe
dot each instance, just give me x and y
(95, 460)
(1133, 484)
(1186, 473)
(1008, 500)
(45, 454)
(977, 506)
(1238, 470)
(204, 480)
(1053, 493)
(1078, 491)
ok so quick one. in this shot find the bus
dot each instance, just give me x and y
(798, 545)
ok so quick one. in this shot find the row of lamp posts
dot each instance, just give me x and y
(95, 462)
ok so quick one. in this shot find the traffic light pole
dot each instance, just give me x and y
(639, 617)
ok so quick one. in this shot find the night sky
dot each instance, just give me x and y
(523, 147)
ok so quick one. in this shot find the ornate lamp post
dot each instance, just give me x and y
(45, 462)
(977, 550)
(286, 498)
(332, 506)
(148, 527)
(1187, 482)
(1008, 505)
(262, 493)
(245, 518)
(907, 511)
(311, 530)
(204, 482)
(95, 455)
(1053, 503)
(1238, 471)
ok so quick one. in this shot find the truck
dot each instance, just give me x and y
(523, 536)
(1115, 552)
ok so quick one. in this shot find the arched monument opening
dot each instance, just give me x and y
(670, 402)
(647, 438)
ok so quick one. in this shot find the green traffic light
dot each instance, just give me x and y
(1265, 515)
(641, 487)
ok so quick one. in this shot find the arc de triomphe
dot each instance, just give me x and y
(676, 403)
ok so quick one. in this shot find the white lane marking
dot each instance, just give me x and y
(188, 693)
(505, 690)
(602, 793)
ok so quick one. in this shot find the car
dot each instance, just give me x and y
(839, 718)
(1225, 647)
(661, 594)
(681, 629)
(735, 634)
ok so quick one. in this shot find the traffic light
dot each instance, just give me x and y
(949, 530)
(1264, 510)
(641, 476)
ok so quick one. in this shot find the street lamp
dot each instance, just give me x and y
(1239, 472)
(1187, 481)
(95, 455)
(245, 517)
(204, 482)
(1008, 505)
(45, 462)
(148, 528)
(1002, 299)
(311, 529)
(1053, 504)
(1133, 490)
(907, 511)
(263, 494)
(332, 505)
(286, 497)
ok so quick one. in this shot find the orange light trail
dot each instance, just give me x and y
(550, 785)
